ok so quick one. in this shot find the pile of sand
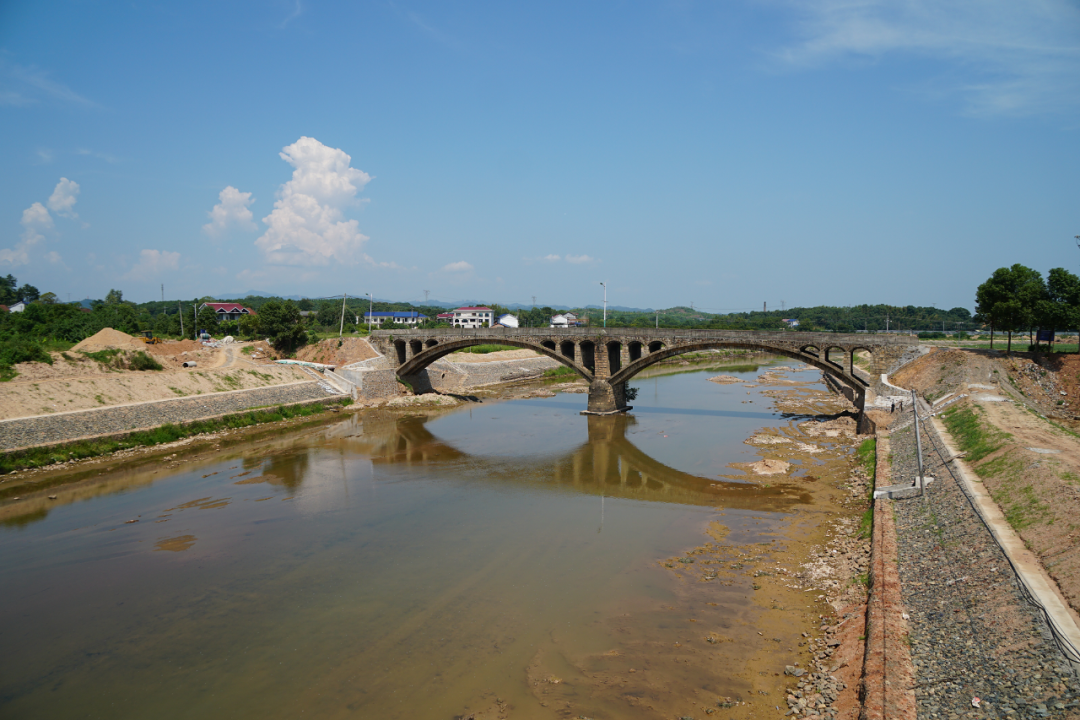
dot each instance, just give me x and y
(725, 379)
(108, 339)
(173, 348)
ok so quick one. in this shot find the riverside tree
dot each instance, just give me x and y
(281, 322)
(1009, 300)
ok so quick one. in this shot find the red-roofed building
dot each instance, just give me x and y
(227, 311)
(473, 317)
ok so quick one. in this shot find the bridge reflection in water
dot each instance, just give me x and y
(606, 464)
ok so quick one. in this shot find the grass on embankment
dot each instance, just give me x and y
(867, 457)
(485, 349)
(78, 450)
(973, 436)
(1011, 488)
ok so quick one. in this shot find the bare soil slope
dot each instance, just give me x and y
(337, 352)
(1032, 467)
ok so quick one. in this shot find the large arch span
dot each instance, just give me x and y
(853, 381)
(437, 352)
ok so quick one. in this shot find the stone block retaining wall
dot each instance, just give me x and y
(122, 419)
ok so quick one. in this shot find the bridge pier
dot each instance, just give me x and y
(606, 398)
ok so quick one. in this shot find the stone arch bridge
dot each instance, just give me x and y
(608, 358)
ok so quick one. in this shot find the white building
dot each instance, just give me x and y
(17, 307)
(473, 317)
(508, 320)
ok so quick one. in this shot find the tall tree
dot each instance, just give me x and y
(280, 321)
(1060, 309)
(1010, 300)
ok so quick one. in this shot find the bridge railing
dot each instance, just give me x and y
(748, 336)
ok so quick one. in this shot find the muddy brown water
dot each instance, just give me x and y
(507, 559)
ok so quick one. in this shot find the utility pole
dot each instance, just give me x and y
(605, 303)
(534, 300)
(369, 301)
(658, 319)
(162, 292)
(782, 307)
(196, 306)
(341, 328)
(180, 310)
(426, 293)
(764, 307)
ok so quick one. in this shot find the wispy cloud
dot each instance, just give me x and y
(456, 267)
(152, 263)
(1003, 56)
(28, 85)
(554, 258)
(112, 159)
(297, 11)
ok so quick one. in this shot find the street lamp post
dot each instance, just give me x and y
(605, 303)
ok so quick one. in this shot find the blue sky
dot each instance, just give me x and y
(723, 153)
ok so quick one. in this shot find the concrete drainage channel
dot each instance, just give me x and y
(958, 623)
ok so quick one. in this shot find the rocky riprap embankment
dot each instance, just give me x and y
(25, 432)
(972, 632)
(832, 571)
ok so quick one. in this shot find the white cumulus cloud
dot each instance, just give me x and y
(307, 225)
(231, 212)
(154, 262)
(62, 201)
(35, 221)
(459, 266)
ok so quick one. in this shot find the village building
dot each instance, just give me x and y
(408, 317)
(473, 317)
(226, 310)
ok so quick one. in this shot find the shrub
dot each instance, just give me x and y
(142, 361)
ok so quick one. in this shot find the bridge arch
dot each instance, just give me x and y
(421, 360)
(628, 372)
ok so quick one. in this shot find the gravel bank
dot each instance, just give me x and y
(65, 427)
(973, 633)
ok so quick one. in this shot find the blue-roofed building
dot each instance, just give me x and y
(410, 317)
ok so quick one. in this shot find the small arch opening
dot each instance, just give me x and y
(549, 344)
(655, 346)
(399, 346)
(431, 343)
(567, 349)
(588, 355)
(635, 351)
(416, 346)
(614, 357)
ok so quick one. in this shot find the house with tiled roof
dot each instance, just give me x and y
(226, 310)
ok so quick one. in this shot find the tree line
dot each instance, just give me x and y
(1018, 299)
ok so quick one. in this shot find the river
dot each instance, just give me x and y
(504, 559)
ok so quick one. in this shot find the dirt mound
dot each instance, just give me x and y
(107, 339)
(330, 352)
(173, 348)
(725, 379)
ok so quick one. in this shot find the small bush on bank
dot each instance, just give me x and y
(140, 360)
(20, 351)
